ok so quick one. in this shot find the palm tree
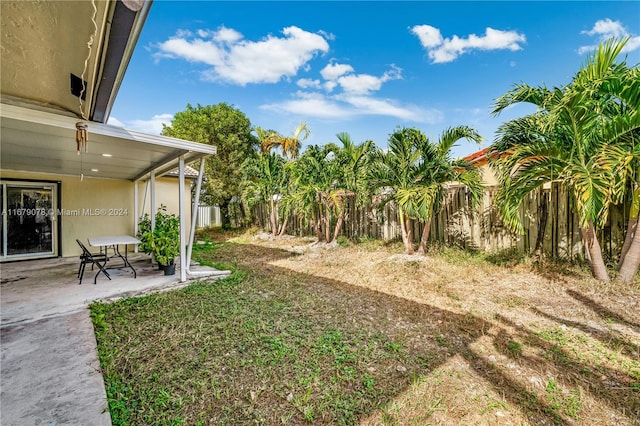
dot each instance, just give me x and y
(290, 145)
(313, 178)
(351, 176)
(567, 139)
(263, 181)
(439, 170)
(396, 173)
(414, 173)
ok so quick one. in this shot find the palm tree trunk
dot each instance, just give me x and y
(629, 267)
(544, 214)
(338, 227)
(594, 253)
(273, 220)
(406, 233)
(283, 228)
(631, 231)
(632, 227)
(425, 237)
(319, 232)
(327, 225)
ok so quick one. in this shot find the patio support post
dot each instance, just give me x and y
(181, 197)
(152, 208)
(135, 212)
(194, 213)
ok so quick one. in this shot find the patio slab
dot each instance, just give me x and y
(50, 371)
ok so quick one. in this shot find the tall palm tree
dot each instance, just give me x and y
(314, 176)
(566, 139)
(263, 182)
(439, 170)
(396, 173)
(290, 145)
(414, 173)
(351, 176)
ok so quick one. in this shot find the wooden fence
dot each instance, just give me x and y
(482, 229)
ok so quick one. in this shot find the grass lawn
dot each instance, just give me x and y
(359, 334)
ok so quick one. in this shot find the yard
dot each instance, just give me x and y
(361, 334)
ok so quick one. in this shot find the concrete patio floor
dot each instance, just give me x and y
(50, 372)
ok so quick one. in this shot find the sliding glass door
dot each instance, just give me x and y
(29, 220)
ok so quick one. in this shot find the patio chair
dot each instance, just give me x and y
(95, 259)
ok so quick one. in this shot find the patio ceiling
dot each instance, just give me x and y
(38, 141)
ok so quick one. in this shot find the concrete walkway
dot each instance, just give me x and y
(49, 370)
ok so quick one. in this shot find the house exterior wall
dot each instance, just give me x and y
(97, 207)
(167, 194)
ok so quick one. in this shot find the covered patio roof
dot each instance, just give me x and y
(39, 141)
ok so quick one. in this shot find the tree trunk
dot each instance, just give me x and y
(631, 231)
(594, 253)
(544, 213)
(406, 233)
(273, 219)
(425, 237)
(632, 227)
(225, 220)
(283, 228)
(339, 223)
(629, 267)
(327, 225)
(319, 233)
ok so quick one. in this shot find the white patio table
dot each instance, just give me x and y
(115, 241)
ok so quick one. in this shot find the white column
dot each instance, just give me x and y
(135, 212)
(152, 208)
(182, 213)
(194, 213)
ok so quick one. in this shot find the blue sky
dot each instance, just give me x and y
(363, 68)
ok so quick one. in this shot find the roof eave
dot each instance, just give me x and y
(126, 26)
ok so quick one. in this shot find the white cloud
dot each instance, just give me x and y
(235, 60)
(152, 126)
(346, 106)
(429, 36)
(312, 105)
(307, 83)
(112, 121)
(365, 83)
(605, 29)
(443, 50)
(332, 71)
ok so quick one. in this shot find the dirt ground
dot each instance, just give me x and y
(549, 344)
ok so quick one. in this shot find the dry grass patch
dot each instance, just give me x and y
(358, 334)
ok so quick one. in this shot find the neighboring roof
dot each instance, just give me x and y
(189, 173)
(478, 158)
(45, 42)
(38, 141)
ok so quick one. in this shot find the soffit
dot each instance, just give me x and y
(37, 141)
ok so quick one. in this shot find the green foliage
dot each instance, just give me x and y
(144, 234)
(325, 179)
(415, 173)
(584, 134)
(229, 130)
(163, 241)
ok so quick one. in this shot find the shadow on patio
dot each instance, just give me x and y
(37, 289)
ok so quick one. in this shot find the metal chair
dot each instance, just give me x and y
(94, 259)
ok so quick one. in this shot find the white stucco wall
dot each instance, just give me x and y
(97, 207)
